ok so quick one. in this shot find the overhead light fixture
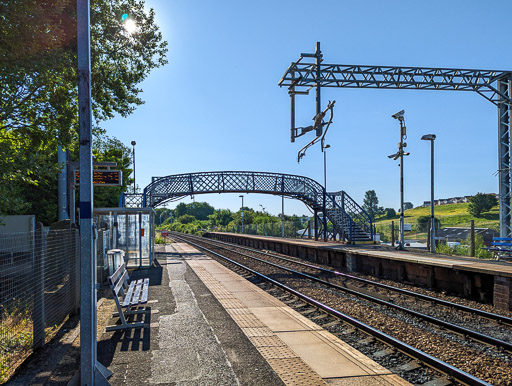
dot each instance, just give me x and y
(399, 115)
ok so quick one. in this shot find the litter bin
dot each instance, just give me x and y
(115, 259)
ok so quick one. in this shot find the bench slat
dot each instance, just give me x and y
(145, 288)
(120, 282)
(119, 271)
(129, 294)
(502, 238)
(136, 295)
(501, 244)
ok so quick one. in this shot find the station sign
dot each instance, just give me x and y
(103, 177)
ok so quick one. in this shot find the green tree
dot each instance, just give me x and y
(480, 203)
(408, 205)
(390, 212)
(221, 217)
(186, 219)
(38, 92)
(371, 204)
(107, 149)
(200, 210)
(161, 215)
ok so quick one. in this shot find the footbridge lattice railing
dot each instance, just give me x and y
(348, 218)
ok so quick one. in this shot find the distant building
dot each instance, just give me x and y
(452, 200)
(456, 234)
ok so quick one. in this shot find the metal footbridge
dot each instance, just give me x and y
(349, 220)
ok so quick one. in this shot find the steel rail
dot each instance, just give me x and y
(485, 314)
(431, 361)
(450, 326)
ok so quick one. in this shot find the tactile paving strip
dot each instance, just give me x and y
(287, 365)
(257, 331)
(293, 371)
(276, 352)
(266, 341)
(231, 303)
(247, 320)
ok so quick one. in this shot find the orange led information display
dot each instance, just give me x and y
(103, 177)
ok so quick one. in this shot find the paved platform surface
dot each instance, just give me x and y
(298, 350)
(492, 267)
(207, 326)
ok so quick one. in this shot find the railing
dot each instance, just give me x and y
(359, 218)
(39, 288)
(348, 217)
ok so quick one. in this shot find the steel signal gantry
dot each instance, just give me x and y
(493, 85)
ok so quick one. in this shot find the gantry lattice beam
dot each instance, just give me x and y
(484, 82)
(494, 85)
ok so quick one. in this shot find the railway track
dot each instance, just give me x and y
(493, 329)
(323, 293)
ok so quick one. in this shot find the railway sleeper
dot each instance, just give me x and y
(331, 324)
(383, 353)
(410, 366)
(439, 381)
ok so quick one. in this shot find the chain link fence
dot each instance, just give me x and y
(39, 288)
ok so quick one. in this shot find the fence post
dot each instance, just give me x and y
(392, 233)
(472, 238)
(429, 235)
(38, 260)
(76, 262)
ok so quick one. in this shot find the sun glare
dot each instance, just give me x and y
(130, 26)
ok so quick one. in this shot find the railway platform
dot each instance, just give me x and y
(206, 325)
(488, 280)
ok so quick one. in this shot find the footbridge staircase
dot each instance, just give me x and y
(348, 219)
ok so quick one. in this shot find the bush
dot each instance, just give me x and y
(480, 203)
(423, 223)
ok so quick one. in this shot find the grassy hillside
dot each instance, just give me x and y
(452, 215)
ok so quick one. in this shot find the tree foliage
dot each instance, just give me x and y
(371, 204)
(221, 217)
(480, 203)
(199, 210)
(38, 89)
(423, 223)
(107, 149)
(390, 212)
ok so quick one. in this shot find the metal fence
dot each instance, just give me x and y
(292, 229)
(39, 288)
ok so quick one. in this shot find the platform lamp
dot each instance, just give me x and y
(400, 154)
(431, 138)
(242, 197)
(133, 144)
(324, 148)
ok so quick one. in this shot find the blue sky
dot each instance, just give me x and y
(217, 106)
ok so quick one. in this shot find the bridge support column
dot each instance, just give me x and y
(316, 225)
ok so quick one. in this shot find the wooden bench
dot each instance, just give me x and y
(502, 245)
(127, 297)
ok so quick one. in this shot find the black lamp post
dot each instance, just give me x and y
(133, 144)
(431, 138)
